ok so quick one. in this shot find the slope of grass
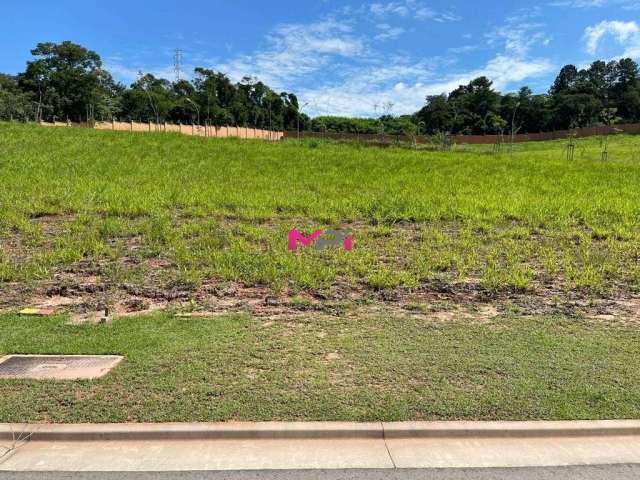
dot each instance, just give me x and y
(220, 209)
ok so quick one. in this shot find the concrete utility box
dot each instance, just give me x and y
(57, 367)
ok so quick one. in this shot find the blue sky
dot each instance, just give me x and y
(341, 57)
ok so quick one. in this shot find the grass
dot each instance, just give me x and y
(329, 368)
(480, 286)
(221, 209)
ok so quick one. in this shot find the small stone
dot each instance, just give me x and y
(272, 301)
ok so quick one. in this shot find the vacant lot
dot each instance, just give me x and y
(137, 220)
(480, 285)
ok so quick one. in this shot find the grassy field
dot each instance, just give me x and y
(480, 285)
(221, 209)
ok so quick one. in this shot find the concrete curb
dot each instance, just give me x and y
(193, 431)
(532, 429)
(316, 430)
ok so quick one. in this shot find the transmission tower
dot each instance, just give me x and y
(177, 64)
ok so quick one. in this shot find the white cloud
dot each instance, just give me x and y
(626, 34)
(519, 34)
(580, 3)
(463, 49)
(410, 9)
(382, 9)
(130, 74)
(331, 64)
(624, 4)
(296, 50)
(407, 86)
(387, 32)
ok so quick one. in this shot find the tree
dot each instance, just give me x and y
(479, 105)
(67, 81)
(575, 110)
(14, 103)
(626, 90)
(437, 115)
(184, 108)
(565, 81)
(149, 99)
(630, 108)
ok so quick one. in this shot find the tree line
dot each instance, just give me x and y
(66, 81)
(605, 93)
(602, 94)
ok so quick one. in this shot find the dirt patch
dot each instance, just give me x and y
(87, 299)
(87, 288)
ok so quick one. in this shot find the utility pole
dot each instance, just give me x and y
(177, 64)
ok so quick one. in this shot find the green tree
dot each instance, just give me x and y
(149, 99)
(68, 81)
(437, 115)
(14, 103)
(565, 81)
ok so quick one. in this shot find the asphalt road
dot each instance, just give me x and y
(604, 472)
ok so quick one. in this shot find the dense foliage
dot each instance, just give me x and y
(67, 81)
(386, 124)
(604, 93)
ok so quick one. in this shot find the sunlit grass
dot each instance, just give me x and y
(329, 368)
(222, 208)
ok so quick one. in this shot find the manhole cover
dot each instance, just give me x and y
(59, 367)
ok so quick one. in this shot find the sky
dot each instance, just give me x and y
(348, 57)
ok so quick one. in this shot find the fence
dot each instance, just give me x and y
(473, 139)
(195, 130)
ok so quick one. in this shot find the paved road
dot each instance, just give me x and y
(605, 472)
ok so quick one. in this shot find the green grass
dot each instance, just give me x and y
(397, 329)
(220, 209)
(380, 368)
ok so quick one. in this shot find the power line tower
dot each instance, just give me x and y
(177, 64)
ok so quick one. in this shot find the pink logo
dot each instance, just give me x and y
(330, 238)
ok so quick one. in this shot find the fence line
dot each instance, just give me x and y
(255, 133)
(195, 130)
(474, 139)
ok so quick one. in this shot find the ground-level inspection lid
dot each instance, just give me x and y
(57, 367)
